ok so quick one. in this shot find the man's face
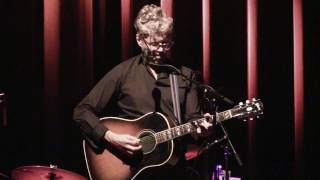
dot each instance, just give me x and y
(159, 45)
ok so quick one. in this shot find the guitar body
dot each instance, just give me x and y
(113, 164)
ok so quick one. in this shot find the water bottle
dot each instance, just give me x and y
(217, 173)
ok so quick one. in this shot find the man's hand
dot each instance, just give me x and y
(125, 142)
(204, 129)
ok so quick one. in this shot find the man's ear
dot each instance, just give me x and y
(140, 41)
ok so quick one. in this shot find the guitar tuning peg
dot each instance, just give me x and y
(258, 117)
(247, 101)
(254, 99)
(240, 103)
(251, 119)
(244, 120)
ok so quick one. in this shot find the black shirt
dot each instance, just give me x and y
(130, 90)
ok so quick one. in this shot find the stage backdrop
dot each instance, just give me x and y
(53, 52)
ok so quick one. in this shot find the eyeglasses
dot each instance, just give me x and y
(163, 44)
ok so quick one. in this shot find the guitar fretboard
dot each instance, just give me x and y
(189, 127)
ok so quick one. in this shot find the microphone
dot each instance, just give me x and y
(166, 67)
(210, 92)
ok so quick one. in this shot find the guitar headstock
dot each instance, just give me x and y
(248, 109)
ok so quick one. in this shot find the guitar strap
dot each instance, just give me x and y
(175, 96)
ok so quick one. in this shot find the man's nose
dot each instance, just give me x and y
(160, 49)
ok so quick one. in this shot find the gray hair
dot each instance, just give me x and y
(151, 19)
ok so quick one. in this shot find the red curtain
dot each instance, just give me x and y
(54, 51)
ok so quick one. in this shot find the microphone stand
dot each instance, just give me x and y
(224, 99)
(226, 147)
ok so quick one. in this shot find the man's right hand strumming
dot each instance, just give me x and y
(124, 142)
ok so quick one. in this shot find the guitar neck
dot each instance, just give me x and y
(189, 127)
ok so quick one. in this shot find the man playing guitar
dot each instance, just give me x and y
(138, 95)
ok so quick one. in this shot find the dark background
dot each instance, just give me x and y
(33, 138)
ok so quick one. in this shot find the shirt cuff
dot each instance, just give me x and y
(98, 134)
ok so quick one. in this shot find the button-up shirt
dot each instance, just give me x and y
(130, 90)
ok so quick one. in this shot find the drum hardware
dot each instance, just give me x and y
(51, 172)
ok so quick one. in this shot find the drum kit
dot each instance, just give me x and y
(36, 172)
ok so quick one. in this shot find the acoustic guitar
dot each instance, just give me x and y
(156, 134)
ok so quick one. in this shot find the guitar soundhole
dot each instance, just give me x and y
(148, 141)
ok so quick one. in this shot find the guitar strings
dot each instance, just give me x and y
(163, 134)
